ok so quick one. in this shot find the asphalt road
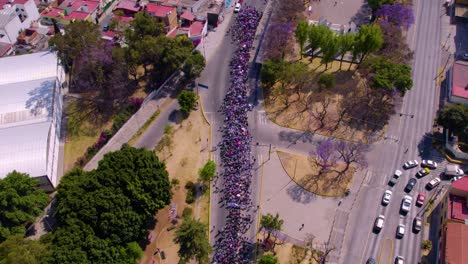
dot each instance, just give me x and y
(405, 135)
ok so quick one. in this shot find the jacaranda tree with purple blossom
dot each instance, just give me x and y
(325, 155)
(396, 14)
(277, 44)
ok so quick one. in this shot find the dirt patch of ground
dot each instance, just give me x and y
(305, 173)
(291, 254)
(334, 112)
(188, 152)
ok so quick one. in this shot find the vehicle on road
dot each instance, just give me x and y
(410, 185)
(420, 200)
(371, 261)
(387, 196)
(399, 260)
(237, 8)
(433, 183)
(379, 223)
(465, 56)
(395, 177)
(410, 164)
(429, 164)
(105, 27)
(453, 170)
(406, 204)
(400, 231)
(417, 224)
(423, 172)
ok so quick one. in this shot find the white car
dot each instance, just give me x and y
(429, 164)
(397, 173)
(379, 223)
(456, 178)
(410, 164)
(400, 231)
(386, 197)
(433, 183)
(237, 8)
(406, 204)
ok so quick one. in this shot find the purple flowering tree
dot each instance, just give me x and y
(277, 40)
(396, 14)
(325, 155)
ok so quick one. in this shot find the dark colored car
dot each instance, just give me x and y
(371, 261)
(105, 28)
(410, 185)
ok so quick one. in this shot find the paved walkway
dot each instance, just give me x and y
(344, 12)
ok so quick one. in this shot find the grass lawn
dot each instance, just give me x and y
(304, 173)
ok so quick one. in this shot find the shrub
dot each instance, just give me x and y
(120, 119)
(189, 185)
(187, 101)
(189, 198)
(174, 182)
(427, 245)
(327, 80)
(187, 212)
(168, 129)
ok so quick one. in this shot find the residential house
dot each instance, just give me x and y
(458, 82)
(165, 14)
(461, 8)
(128, 8)
(15, 16)
(30, 116)
(71, 10)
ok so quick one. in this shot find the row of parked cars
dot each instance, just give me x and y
(407, 200)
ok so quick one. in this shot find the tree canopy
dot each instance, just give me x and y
(187, 101)
(208, 171)
(271, 223)
(368, 39)
(396, 14)
(455, 118)
(20, 203)
(101, 213)
(388, 75)
(192, 236)
(80, 36)
(376, 4)
(17, 249)
(302, 30)
(194, 65)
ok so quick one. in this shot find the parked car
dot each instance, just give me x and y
(237, 8)
(433, 183)
(410, 164)
(105, 27)
(400, 231)
(456, 178)
(453, 170)
(399, 260)
(417, 224)
(429, 164)
(379, 223)
(410, 185)
(421, 198)
(395, 177)
(371, 261)
(423, 172)
(406, 204)
(387, 196)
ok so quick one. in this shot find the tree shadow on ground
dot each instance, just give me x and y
(294, 136)
(176, 117)
(362, 16)
(41, 98)
(300, 195)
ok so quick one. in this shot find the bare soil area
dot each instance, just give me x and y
(306, 174)
(188, 152)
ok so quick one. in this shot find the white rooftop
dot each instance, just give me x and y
(27, 85)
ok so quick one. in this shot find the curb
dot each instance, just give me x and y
(442, 151)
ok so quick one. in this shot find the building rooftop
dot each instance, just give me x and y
(159, 10)
(128, 5)
(72, 9)
(14, 2)
(196, 28)
(461, 184)
(460, 79)
(188, 16)
(4, 48)
(456, 244)
(457, 208)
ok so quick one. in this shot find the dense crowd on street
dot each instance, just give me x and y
(235, 147)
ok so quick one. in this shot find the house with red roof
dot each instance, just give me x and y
(128, 8)
(71, 10)
(454, 247)
(15, 16)
(458, 83)
(165, 14)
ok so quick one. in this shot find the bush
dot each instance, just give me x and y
(168, 129)
(327, 80)
(189, 185)
(187, 212)
(189, 198)
(120, 119)
(207, 172)
(174, 182)
(187, 101)
(427, 245)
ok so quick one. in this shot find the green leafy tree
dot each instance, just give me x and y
(101, 212)
(368, 39)
(141, 26)
(455, 118)
(194, 65)
(330, 47)
(271, 223)
(326, 80)
(192, 236)
(187, 101)
(17, 249)
(270, 71)
(208, 171)
(427, 245)
(302, 31)
(346, 43)
(20, 203)
(268, 259)
(79, 36)
(388, 75)
(376, 4)
(315, 37)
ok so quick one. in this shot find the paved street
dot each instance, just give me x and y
(405, 135)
